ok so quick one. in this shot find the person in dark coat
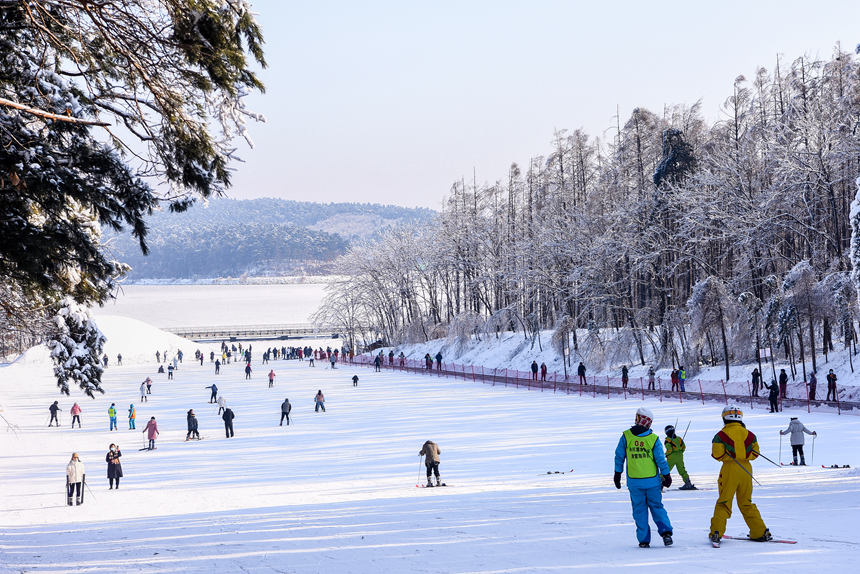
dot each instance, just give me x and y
(286, 407)
(228, 417)
(773, 396)
(783, 383)
(831, 385)
(625, 376)
(191, 418)
(756, 382)
(813, 382)
(355, 380)
(439, 361)
(55, 408)
(376, 364)
(214, 396)
(543, 371)
(580, 372)
(534, 370)
(114, 468)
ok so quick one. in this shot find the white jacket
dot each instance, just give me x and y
(221, 401)
(796, 429)
(75, 471)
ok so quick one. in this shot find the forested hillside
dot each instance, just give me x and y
(696, 243)
(261, 237)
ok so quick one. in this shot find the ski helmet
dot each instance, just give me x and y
(644, 417)
(669, 429)
(733, 413)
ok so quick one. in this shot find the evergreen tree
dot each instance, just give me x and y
(76, 347)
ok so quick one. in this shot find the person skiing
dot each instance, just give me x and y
(831, 385)
(217, 366)
(319, 401)
(222, 404)
(783, 383)
(158, 356)
(286, 407)
(76, 414)
(248, 371)
(796, 429)
(271, 378)
(170, 369)
(756, 381)
(580, 371)
(332, 358)
(813, 382)
(114, 468)
(131, 416)
(143, 392)
(148, 382)
(736, 447)
(214, 396)
(75, 477)
(151, 431)
(119, 359)
(112, 415)
(55, 409)
(773, 396)
(191, 419)
(228, 417)
(355, 380)
(534, 369)
(675, 448)
(430, 450)
(647, 472)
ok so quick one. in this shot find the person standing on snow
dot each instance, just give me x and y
(831, 386)
(642, 450)
(217, 366)
(651, 378)
(228, 417)
(736, 447)
(376, 364)
(131, 416)
(682, 378)
(148, 382)
(534, 369)
(430, 450)
(813, 382)
(271, 378)
(439, 361)
(222, 404)
(170, 368)
(625, 376)
(783, 383)
(355, 380)
(75, 477)
(114, 468)
(756, 381)
(112, 415)
(151, 431)
(76, 415)
(286, 407)
(248, 371)
(543, 371)
(773, 395)
(214, 396)
(191, 419)
(796, 429)
(55, 408)
(675, 448)
(319, 402)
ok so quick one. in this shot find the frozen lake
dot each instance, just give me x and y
(211, 305)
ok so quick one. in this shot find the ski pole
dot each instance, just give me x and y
(746, 471)
(87, 486)
(420, 460)
(812, 459)
(685, 430)
(766, 458)
(780, 448)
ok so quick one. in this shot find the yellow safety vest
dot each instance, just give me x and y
(640, 455)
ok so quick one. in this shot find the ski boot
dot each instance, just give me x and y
(715, 538)
(794, 462)
(764, 537)
(644, 545)
(79, 501)
(438, 481)
(688, 485)
(802, 460)
(429, 483)
(667, 538)
(69, 500)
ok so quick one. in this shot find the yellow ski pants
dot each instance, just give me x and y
(733, 482)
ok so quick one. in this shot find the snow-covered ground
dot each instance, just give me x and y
(335, 492)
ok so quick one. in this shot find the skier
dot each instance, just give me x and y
(151, 431)
(675, 448)
(773, 395)
(112, 415)
(271, 378)
(355, 380)
(624, 376)
(217, 366)
(831, 385)
(783, 383)
(76, 415)
(735, 447)
(756, 381)
(642, 450)
(332, 358)
(143, 392)
(214, 396)
(534, 369)
(228, 417)
(119, 359)
(580, 371)
(222, 404)
(170, 369)
(319, 401)
(148, 382)
(796, 429)
(248, 371)
(55, 408)
(191, 419)
(211, 356)
(114, 468)
(75, 477)
(131, 416)
(430, 450)
(651, 378)
(813, 382)
(286, 407)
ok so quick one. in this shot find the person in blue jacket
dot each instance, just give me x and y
(647, 473)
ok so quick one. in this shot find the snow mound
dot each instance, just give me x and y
(138, 341)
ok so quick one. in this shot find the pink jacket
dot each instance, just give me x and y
(152, 429)
(76, 409)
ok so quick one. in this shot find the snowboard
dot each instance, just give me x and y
(748, 539)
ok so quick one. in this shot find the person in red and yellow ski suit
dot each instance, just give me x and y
(735, 447)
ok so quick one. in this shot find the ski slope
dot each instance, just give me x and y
(336, 492)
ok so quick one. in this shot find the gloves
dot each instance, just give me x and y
(667, 480)
(617, 480)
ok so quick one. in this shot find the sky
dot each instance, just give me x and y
(393, 101)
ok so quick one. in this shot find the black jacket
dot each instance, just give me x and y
(228, 416)
(114, 470)
(286, 407)
(192, 423)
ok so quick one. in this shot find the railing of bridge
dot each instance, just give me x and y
(248, 330)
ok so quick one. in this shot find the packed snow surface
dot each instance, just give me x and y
(336, 491)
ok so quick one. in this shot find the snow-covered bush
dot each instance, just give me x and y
(76, 346)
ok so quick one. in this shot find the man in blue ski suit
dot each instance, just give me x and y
(643, 452)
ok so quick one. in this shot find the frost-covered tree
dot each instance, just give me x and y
(710, 309)
(76, 347)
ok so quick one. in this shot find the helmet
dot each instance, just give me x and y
(644, 417)
(733, 413)
(669, 428)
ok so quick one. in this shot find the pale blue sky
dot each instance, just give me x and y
(391, 101)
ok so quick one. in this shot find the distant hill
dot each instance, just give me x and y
(255, 237)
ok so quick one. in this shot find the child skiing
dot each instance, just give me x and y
(645, 464)
(319, 402)
(271, 378)
(796, 429)
(735, 447)
(675, 448)
(131, 417)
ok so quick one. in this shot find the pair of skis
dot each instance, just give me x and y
(748, 539)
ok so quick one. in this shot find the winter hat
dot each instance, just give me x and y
(644, 417)
(669, 428)
(733, 413)
(794, 418)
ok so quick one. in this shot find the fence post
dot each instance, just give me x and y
(473, 373)
(725, 397)
(506, 377)
(607, 388)
(701, 394)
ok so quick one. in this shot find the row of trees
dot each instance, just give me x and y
(681, 241)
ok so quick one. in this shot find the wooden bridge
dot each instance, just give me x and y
(253, 332)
